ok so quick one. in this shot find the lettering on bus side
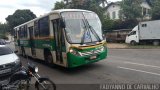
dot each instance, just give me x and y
(47, 45)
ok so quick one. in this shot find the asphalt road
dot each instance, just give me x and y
(121, 66)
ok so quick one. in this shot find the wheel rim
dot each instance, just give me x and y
(49, 59)
(133, 43)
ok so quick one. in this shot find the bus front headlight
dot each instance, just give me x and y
(74, 52)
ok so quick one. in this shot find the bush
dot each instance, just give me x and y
(3, 36)
(128, 24)
(109, 25)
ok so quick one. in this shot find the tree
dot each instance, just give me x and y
(107, 24)
(156, 10)
(60, 5)
(75, 4)
(104, 2)
(150, 1)
(4, 28)
(19, 17)
(67, 1)
(82, 4)
(131, 9)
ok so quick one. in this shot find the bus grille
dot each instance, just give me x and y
(92, 52)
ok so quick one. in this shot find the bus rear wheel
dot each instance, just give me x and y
(49, 59)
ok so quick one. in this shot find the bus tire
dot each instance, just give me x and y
(49, 59)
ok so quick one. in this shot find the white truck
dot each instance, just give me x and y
(145, 32)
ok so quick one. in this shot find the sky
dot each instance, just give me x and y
(38, 7)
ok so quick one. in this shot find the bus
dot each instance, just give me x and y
(65, 37)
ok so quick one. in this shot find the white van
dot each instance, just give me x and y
(144, 32)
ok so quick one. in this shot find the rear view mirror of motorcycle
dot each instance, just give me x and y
(32, 68)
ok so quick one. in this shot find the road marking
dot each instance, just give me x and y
(143, 65)
(139, 71)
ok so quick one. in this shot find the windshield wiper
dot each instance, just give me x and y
(95, 34)
(91, 29)
(86, 30)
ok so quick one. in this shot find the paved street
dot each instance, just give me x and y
(122, 66)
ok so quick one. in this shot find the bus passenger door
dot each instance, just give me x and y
(58, 40)
(32, 44)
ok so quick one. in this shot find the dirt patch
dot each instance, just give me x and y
(117, 45)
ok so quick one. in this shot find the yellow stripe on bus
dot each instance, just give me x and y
(87, 47)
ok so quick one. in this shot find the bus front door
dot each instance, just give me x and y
(32, 44)
(58, 40)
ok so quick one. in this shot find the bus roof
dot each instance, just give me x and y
(65, 10)
(54, 11)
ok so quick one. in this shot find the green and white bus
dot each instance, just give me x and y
(66, 37)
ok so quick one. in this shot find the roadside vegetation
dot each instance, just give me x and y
(17, 18)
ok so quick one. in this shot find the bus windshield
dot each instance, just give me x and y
(82, 27)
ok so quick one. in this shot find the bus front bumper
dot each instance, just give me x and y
(75, 61)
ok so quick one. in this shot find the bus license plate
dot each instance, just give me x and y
(93, 57)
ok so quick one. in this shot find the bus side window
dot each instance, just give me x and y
(30, 32)
(36, 30)
(44, 27)
(62, 34)
(63, 39)
(15, 33)
(21, 32)
(25, 31)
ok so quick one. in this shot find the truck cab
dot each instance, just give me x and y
(133, 38)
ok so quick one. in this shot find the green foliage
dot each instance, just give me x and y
(59, 5)
(127, 24)
(92, 5)
(4, 28)
(156, 10)
(109, 25)
(19, 17)
(2, 36)
(131, 9)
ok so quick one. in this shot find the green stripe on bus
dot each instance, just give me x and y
(75, 61)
